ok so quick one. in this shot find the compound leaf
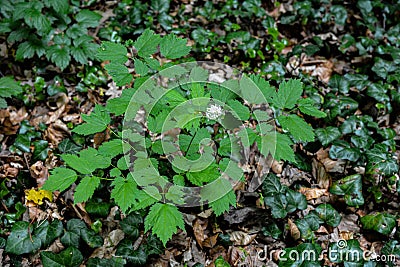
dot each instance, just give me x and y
(60, 179)
(288, 94)
(147, 43)
(164, 221)
(173, 47)
(85, 188)
(297, 127)
(123, 192)
(97, 121)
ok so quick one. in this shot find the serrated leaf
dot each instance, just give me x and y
(205, 176)
(88, 161)
(297, 127)
(223, 204)
(239, 110)
(288, 94)
(140, 67)
(267, 90)
(59, 55)
(3, 103)
(60, 179)
(111, 148)
(96, 122)
(175, 194)
(173, 47)
(147, 43)
(279, 145)
(70, 257)
(60, 6)
(85, 188)
(250, 91)
(164, 221)
(9, 87)
(116, 53)
(306, 106)
(351, 188)
(327, 135)
(119, 73)
(87, 18)
(119, 105)
(124, 192)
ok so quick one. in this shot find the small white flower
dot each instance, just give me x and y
(214, 111)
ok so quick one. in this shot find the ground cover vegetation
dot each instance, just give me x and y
(287, 144)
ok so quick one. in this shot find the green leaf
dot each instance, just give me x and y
(126, 250)
(220, 262)
(131, 224)
(328, 214)
(111, 148)
(175, 194)
(109, 51)
(59, 55)
(67, 146)
(239, 110)
(327, 135)
(381, 161)
(351, 188)
(205, 176)
(60, 6)
(272, 186)
(279, 145)
(87, 18)
(88, 161)
(272, 230)
(97, 121)
(3, 103)
(119, 105)
(250, 91)
(340, 14)
(119, 73)
(308, 256)
(278, 204)
(140, 67)
(164, 221)
(60, 179)
(147, 43)
(113, 262)
(288, 94)
(267, 90)
(347, 252)
(173, 47)
(297, 127)
(20, 240)
(223, 204)
(70, 257)
(383, 223)
(85, 188)
(9, 87)
(123, 192)
(307, 106)
(84, 49)
(48, 232)
(295, 200)
(342, 150)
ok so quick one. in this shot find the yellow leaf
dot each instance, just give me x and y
(37, 196)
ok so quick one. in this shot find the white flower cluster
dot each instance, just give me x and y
(214, 111)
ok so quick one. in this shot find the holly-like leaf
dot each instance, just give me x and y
(70, 257)
(328, 214)
(147, 43)
(173, 47)
(96, 122)
(297, 127)
(327, 135)
(351, 188)
(223, 204)
(307, 106)
(119, 73)
(89, 160)
(124, 192)
(20, 240)
(164, 221)
(288, 94)
(85, 188)
(381, 222)
(60, 179)
(115, 53)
